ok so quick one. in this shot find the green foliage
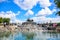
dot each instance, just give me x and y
(58, 24)
(4, 20)
(1, 20)
(57, 2)
(58, 13)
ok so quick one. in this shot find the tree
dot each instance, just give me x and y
(1, 19)
(58, 24)
(57, 2)
(6, 20)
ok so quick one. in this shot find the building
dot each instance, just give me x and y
(29, 25)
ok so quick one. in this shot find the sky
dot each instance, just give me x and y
(41, 11)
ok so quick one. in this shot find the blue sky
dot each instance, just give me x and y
(41, 11)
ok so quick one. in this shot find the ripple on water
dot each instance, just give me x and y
(39, 36)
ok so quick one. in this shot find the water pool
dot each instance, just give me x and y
(31, 36)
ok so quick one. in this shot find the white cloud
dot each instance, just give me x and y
(8, 14)
(29, 12)
(16, 21)
(45, 11)
(44, 3)
(3, 1)
(26, 4)
(43, 19)
(29, 4)
(11, 15)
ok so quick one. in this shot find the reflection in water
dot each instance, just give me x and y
(54, 36)
(32, 36)
(6, 34)
(29, 35)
